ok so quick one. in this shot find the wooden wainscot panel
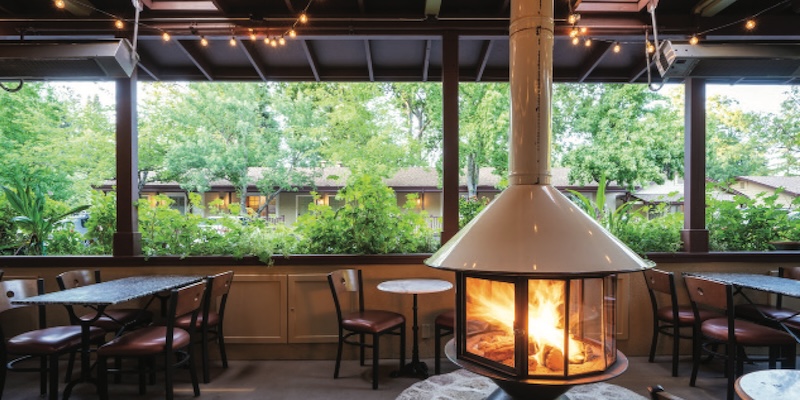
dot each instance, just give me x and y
(256, 309)
(312, 314)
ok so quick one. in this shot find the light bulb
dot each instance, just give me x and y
(650, 48)
(617, 48)
(119, 24)
(573, 32)
(232, 41)
(292, 33)
(584, 30)
(587, 42)
(281, 41)
(273, 42)
(694, 39)
(575, 40)
(203, 41)
(266, 40)
(252, 36)
(60, 4)
(750, 24)
(303, 18)
(165, 37)
(573, 18)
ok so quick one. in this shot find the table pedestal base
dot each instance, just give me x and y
(414, 369)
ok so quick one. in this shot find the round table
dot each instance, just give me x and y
(414, 287)
(770, 384)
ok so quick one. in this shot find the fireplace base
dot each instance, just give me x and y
(540, 389)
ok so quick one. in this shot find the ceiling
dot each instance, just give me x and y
(381, 40)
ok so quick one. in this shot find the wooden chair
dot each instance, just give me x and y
(444, 325)
(767, 313)
(112, 320)
(735, 334)
(362, 322)
(668, 319)
(209, 323)
(172, 343)
(48, 344)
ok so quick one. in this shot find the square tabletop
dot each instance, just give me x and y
(112, 292)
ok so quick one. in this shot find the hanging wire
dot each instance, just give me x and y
(14, 89)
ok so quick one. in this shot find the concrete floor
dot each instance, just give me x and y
(309, 380)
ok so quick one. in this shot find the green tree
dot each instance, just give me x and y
(484, 114)
(735, 141)
(626, 132)
(420, 108)
(783, 134)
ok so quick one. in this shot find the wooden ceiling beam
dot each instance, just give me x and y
(370, 68)
(599, 52)
(196, 57)
(251, 53)
(486, 51)
(311, 58)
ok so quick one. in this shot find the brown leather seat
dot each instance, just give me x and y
(46, 343)
(735, 334)
(375, 323)
(443, 325)
(669, 319)
(210, 321)
(168, 341)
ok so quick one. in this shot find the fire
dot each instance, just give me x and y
(492, 303)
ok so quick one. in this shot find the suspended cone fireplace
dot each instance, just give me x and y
(535, 276)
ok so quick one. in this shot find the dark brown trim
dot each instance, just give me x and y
(368, 54)
(600, 51)
(694, 234)
(312, 60)
(127, 239)
(197, 58)
(450, 140)
(251, 53)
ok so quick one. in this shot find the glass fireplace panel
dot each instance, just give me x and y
(490, 314)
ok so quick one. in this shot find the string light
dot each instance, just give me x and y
(203, 41)
(573, 18)
(165, 37)
(282, 41)
(587, 42)
(650, 48)
(303, 18)
(584, 30)
(617, 48)
(292, 33)
(273, 42)
(694, 40)
(232, 41)
(119, 24)
(750, 24)
(576, 40)
(574, 32)
(266, 40)
(60, 4)
(253, 36)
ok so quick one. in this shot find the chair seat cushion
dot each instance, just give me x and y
(50, 340)
(757, 312)
(747, 333)
(372, 321)
(685, 315)
(185, 320)
(149, 340)
(113, 319)
(446, 319)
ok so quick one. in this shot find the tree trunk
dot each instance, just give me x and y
(472, 176)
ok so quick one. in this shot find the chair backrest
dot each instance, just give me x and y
(219, 286)
(710, 293)
(786, 272)
(18, 289)
(345, 282)
(1, 274)
(659, 281)
(77, 278)
(185, 300)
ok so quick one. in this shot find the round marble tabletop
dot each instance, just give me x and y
(771, 384)
(415, 286)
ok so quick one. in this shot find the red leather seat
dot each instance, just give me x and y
(210, 321)
(376, 323)
(735, 334)
(168, 341)
(47, 343)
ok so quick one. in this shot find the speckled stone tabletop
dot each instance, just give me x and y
(767, 283)
(415, 286)
(112, 292)
(772, 384)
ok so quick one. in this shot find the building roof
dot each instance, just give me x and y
(791, 184)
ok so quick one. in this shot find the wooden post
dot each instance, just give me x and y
(694, 234)
(127, 239)
(450, 135)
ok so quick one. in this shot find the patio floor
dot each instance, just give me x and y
(309, 380)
